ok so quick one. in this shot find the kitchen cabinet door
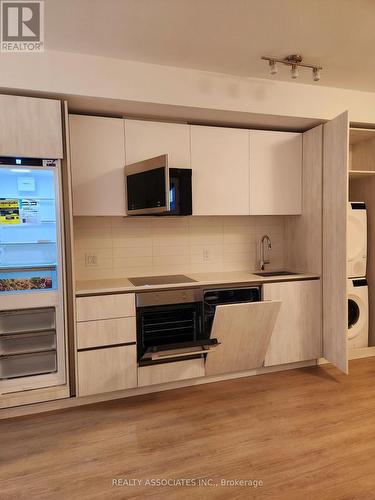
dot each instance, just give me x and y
(220, 163)
(97, 162)
(275, 173)
(147, 139)
(107, 369)
(297, 333)
(170, 372)
(244, 331)
(30, 127)
(335, 199)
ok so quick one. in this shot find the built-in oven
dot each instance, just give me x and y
(170, 326)
(153, 188)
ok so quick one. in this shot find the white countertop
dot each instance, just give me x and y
(121, 285)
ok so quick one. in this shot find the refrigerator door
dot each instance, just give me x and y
(32, 314)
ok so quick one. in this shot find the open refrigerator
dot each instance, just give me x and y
(32, 314)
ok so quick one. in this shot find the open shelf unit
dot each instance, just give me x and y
(359, 174)
(362, 188)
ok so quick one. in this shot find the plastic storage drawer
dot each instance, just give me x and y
(22, 343)
(27, 320)
(24, 365)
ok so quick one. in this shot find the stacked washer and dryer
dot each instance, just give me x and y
(356, 270)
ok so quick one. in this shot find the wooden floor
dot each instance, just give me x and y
(306, 434)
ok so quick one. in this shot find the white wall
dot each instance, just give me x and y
(85, 75)
(127, 247)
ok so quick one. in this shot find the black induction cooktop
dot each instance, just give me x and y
(160, 280)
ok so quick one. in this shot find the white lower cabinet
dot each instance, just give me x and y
(297, 332)
(107, 369)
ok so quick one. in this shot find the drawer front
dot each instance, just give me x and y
(170, 372)
(105, 332)
(27, 320)
(18, 343)
(105, 306)
(24, 365)
(106, 370)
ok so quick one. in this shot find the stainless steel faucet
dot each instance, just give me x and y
(263, 261)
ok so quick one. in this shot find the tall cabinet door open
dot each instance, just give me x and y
(335, 198)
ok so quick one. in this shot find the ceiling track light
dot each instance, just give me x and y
(273, 67)
(295, 61)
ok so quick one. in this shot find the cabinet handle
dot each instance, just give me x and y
(158, 356)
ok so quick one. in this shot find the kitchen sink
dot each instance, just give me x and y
(275, 273)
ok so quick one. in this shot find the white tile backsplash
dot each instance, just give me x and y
(127, 247)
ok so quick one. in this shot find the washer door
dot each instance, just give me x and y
(355, 317)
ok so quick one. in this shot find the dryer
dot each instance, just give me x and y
(357, 240)
(357, 313)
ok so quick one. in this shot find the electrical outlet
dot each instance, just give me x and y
(206, 254)
(91, 260)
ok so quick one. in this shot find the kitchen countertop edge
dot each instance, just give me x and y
(108, 286)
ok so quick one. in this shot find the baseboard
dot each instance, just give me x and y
(362, 352)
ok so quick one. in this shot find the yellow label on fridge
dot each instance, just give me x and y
(9, 211)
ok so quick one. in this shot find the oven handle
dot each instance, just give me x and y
(159, 356)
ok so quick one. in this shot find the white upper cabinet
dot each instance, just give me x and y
(145, 139)
(30, 127)
(220, 163)
(275, 173)
(97, 161)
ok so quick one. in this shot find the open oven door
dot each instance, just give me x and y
(244, 331)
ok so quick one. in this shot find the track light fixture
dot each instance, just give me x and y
(295, 61)
(273, 67)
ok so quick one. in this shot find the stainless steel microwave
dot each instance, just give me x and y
(152, 188)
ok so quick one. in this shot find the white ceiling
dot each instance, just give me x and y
(227, 36)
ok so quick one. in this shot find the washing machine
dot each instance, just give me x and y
(357, 313)
(357, 240)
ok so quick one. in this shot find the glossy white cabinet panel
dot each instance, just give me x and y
(97, 161)
(275, 173)
(220, 163)
(146, 139)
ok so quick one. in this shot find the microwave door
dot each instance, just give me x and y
(148, 186)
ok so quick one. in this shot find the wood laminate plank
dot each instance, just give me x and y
(307, 433)
(335, 199)
(244, 331)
